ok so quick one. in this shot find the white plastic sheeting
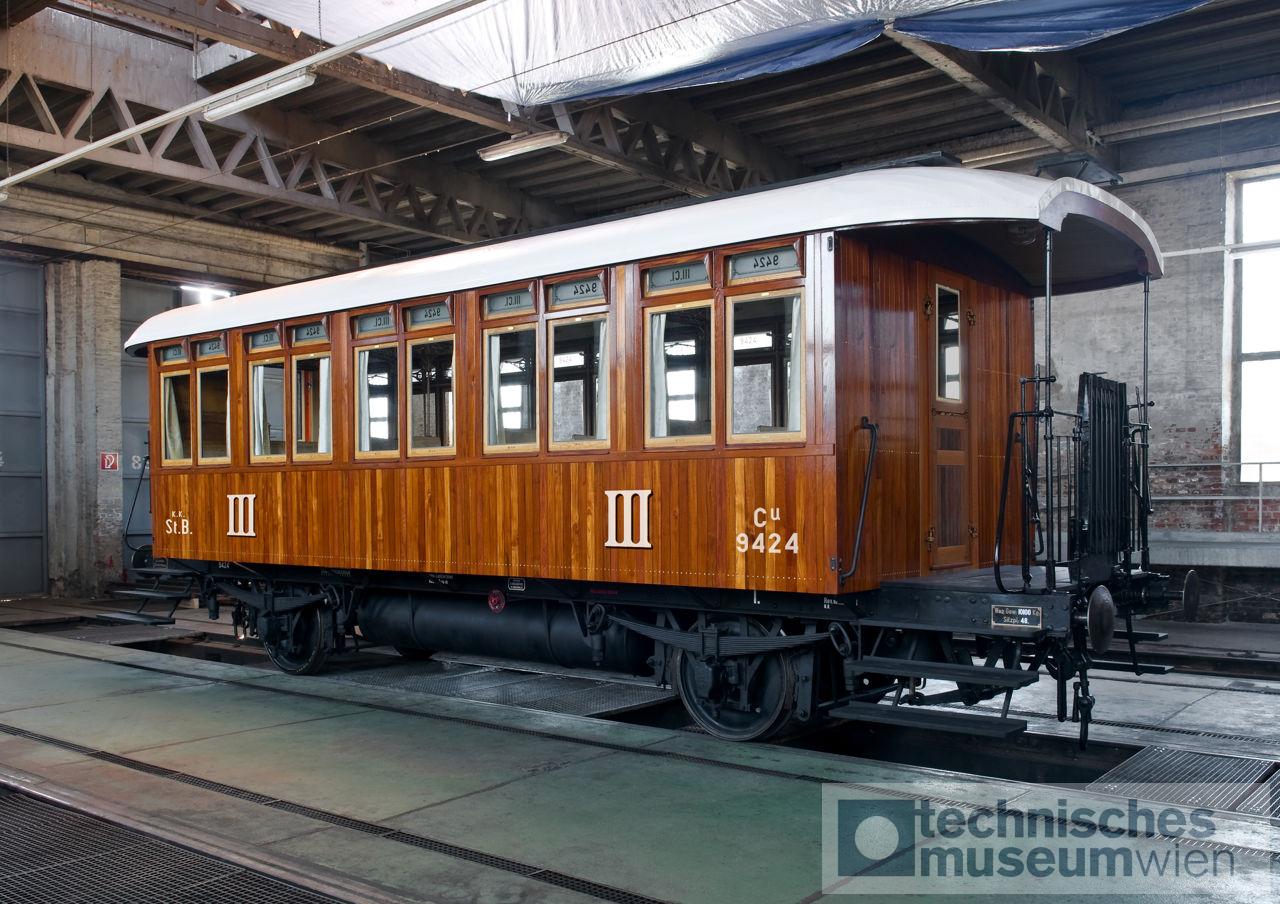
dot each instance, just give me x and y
(533, 52)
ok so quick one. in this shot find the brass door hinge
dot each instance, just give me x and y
(928, 308)
(971, 317)
(930, 538)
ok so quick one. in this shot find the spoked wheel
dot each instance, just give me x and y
(299, 645)
(745, 698)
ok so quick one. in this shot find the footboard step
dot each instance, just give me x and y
(1144, 668)
(931, 719)
(946, 671)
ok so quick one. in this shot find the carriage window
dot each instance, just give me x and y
(377, 399)
(579, 381)
(431, 394)
(679, 364)
(511, 402)
(768, 376)
(312, 407)
(176, 415)
(214, 424)
(948, 326)
(266, 388)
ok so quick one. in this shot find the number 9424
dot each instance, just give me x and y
(771, 543)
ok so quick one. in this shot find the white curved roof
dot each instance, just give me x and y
(868, 198)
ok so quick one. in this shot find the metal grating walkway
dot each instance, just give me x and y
(49, 853)
(555, 693)
(1191, 778)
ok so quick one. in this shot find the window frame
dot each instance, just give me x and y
(549, 287)
(383, 341)
(798, 272)
(702, 440)
(598, 312)
(800, 334)
(529, 324)
(409, 304)
(311, 354)
(703, 288)
(1238, 251)
(268, 356)
(183, 370)
(528, 285)
(198, 444)
(423, 336)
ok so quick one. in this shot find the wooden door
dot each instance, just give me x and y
(949, 522)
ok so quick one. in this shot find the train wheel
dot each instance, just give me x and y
(302, 647)
(746, 698)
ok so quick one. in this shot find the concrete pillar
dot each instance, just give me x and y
(84, 418)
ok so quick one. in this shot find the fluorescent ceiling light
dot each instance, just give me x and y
(206, 294)
(523, 144)
(260, 95)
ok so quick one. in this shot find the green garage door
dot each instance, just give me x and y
(22, 460)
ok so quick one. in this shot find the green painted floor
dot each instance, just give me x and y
(593, 802)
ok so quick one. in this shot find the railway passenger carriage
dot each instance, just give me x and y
(753, 446)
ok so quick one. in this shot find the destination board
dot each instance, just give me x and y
(427, 315)
(514, 301)
(577, 291)
(676, 276)
(763, 263)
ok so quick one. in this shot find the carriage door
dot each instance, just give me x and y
(948, 523)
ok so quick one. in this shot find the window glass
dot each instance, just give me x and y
(177, 417)
(312, 407)
(948, 326)
(377, 399)
(431, 394)
(767, 373)
(1259, 439)
(1260, 210)
(511, 375)
(1260, 302)
(579, 382)
(680, 372)
(214, 424)
(266, 390)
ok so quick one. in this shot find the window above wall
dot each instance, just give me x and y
(1256, 261)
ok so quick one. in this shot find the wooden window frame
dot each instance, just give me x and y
(549, 285)
(580, 315)
(385, 341)
(277, 357)
(353, 323)
(292, 430)
(705, 258)
(165, 461)
(702, 440)
(198, 444)
(441, 334)
(796, 244)
(406, 306)
(195, 348)
(530, 286)
(323, 321)
(528, 324)
(184, 361)
(249, 333)
(799, 334)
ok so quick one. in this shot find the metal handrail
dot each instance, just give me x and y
(1259, 498)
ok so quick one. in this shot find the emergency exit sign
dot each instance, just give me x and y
(109, 461)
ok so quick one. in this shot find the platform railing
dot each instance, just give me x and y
(1239, 483)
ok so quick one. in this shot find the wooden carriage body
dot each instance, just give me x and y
(891, 302)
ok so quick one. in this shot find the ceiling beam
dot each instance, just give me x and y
(701, 161)
(1049, 94)
(16, 11)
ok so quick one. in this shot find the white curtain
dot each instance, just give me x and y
(795, 373)
(174, 446)
(602, 383)
(658, 374)
(493, 360)
(362, 404)
(324, 432)
(261, 430)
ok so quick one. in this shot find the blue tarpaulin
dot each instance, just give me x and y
(532, 52)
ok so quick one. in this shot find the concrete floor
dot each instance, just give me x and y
(587, 798)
